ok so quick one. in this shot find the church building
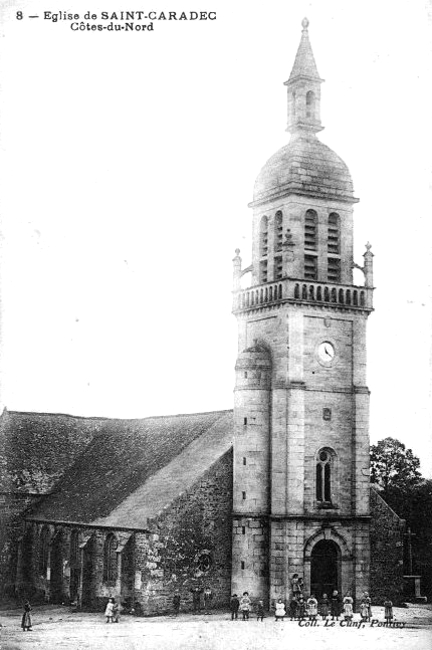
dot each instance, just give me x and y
(238, 500)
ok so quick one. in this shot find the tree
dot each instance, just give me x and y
(394, 466)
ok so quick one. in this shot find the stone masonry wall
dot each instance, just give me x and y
(189, 546)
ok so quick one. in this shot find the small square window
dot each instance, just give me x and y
(244, 420)
(243, 495)
(243, 530)
(327, 414)
(242, 565)
(244, 460)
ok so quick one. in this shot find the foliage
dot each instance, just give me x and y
(393, 465)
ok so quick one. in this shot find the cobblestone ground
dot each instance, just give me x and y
(55, 628)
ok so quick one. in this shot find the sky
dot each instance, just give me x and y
(127, 163)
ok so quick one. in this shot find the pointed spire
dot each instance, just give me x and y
(304, 63)
(303, 86)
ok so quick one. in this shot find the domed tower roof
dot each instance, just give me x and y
(305, 166)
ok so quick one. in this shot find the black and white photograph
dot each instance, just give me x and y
(215, 325)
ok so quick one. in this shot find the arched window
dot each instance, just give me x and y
(43, 550)
(310, 231)
(110, 559)
(324, 470)
(310, 104)
(263, 237)
(278, 238)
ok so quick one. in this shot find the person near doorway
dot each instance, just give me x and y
(293, 609)
(301, 608)
(324, 606)
(348, 606)
(26, 621)
(296, 586)
(312, 607)
(335, 605)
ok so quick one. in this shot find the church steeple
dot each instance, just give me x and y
(304, 89)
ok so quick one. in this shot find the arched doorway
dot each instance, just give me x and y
(57, 569)
(325, 568)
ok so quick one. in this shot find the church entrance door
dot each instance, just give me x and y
(57, 569)
(325, 569)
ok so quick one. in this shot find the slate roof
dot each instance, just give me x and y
(122, 456)
(37, 448)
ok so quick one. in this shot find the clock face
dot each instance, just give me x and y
(326, 352)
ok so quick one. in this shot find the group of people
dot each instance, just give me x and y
(196, 600)
(308, 608)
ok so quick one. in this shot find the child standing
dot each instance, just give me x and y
(388, 610)
(176, 602)
(364, 610)
(234, 606)
(260, 611)
(324, 606)
(293, 609)
(280, 612)
(26, 621)
(348, 606)
(312, 607)
(301, 608)
(109, 610)
(245, 604)
(335, 604)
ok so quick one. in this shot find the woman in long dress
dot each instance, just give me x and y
(348, 606)
(109, 610)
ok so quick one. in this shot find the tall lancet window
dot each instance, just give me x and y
(310, 104)
(278, 236)
(110, 559)
(324, 470)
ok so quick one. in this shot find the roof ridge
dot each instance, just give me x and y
(108, 419)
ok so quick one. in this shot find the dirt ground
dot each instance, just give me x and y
(55, 628)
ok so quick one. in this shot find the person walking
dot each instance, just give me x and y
(176, 602)
(234, 606)
(109, 610)
(245, 603)
(26, 621)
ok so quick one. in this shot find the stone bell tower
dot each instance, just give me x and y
(301, 450)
